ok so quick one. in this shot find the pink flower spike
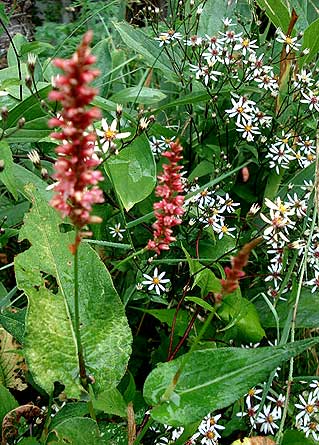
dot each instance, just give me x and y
(169, 210)
(76, 189)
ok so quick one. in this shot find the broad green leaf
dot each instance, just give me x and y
(24, 178)
(35, 47)
(241, 313)
(73, 409)
(294, 437)
(50, 345)
(30, 108)
(8, 402)
(3, 15)
(103, 63)
(310, 41)
(140, 95)
(141, 43)
(212, 379)
(111, 402)
(18, 41)
(210, 21)
(76, 430)
(133, 172)
(307, 314)
(32, 131)
(7, 174)
(277, 13)
(108, 105)
(113, 433)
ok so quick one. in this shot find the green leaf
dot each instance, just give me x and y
(210, 21)
(307, 314)
(103, 63)
(45, 273)
(212, 379)
(111, 402)
(140, 95)
(141, 43)
(73, 409)
(167, 316)
(7, 174)
(18, 41)
(8, 402)
(30, 108)
(202, 303)
(294, 437)
(77, 430)
(203, 277)
(32, 131)
(29, 441)
(133, 172)
(310, 41)
(277, 13)
(241, 313)
(14, 322)
(3, 15)
(35, 47)
(24, 178)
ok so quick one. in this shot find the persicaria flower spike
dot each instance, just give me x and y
(169, 210)
(238, 262)
(76, 189)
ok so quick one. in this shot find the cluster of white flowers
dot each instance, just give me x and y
(208, 432)
(248, 117)
(282, 220)
(288, 148)
(265, 419)
(307, 419)
(212, 209)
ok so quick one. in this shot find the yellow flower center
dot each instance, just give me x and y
(224, 229)
(210, 435)
(168, 140)
(288, 40)
(309, 408)
(310, 157)
(245, 43)
(251, 392)
(248, 128)
(282, 208)
(240, 109)
(156, 280)
(285, 141)
(212, 421)
(163, 37)
(110, 134)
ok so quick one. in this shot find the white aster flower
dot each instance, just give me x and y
(242, 109)
(110, 134)
(311, 428)
(227, 204)
(248, 130)
(314, 282)
(116, 231)
(222, 229)
(289, 42)
(267, 420)
(307, 408)
(156, 281)
(311, 99)
(245, 45)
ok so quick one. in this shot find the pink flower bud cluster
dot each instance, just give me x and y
(235, 273)
(76, 189)
(169, 210)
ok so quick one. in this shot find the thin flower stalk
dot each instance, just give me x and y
(76, 188)
(169, 210)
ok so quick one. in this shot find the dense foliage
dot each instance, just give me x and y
(159, 226)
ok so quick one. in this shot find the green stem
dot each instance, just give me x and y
(133, 255)
(83, 377)
(144, 430)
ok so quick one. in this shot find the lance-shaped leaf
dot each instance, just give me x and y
(212, 379)
(45, 273)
